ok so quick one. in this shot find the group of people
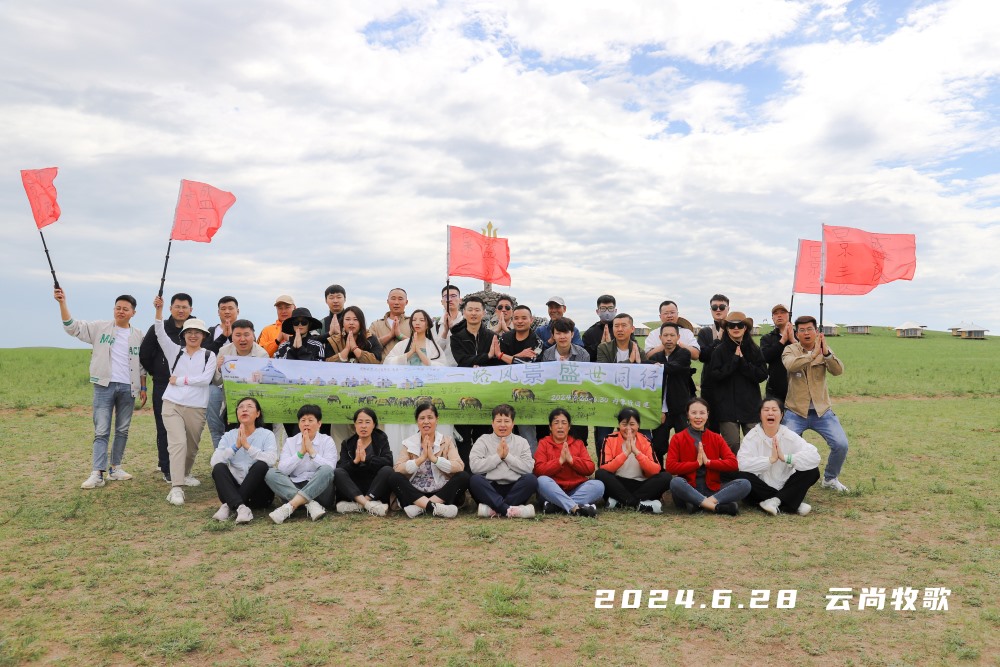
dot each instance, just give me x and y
(710, 432)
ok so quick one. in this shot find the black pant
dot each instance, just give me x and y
(629, 492)
(348, 488)
(253, 492)
(409, 494)
(791, 494)
(470, 433)
(501, 496)
(162, 456)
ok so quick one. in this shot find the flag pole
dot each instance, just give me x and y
(55, 281)
(163, 278)
(822, 273)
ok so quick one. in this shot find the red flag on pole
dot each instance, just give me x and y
(476, 255)
(41, 194)
(808, 267)
(888, 256)
(200, 209)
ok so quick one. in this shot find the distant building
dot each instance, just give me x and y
(859, 329)
(973, 332)
(910, 330)
(271, 375)
(831, 330)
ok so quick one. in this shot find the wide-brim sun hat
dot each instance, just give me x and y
(300, 314)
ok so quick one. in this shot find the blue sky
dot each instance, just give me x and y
(648, 149)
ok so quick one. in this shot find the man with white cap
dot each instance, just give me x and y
(557, 309)
(272, 336)
(185, 398)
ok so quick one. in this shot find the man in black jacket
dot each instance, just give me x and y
(600, 331)
(678, 387)
(772, 344)
(473, 344)
(219, 335)
(152, 359)
(708, 339)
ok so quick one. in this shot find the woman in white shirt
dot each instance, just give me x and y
(240, 463)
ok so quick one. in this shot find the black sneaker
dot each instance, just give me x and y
(587, 510)
(645, 509)
(732, 509)
(549, 508)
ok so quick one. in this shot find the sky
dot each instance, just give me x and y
(648, 149)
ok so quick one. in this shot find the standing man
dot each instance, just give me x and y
(708, 339)
(677, 387)
(451, 297)
(521, 345)
(772, 345)
(336, 298)
(117, 377)
(557, 310)
(600, 331)
(243, 345)
(621, 349)
(395, 326)
(472, 345)
(219, 336)
(153, 360)
(272, 336)
(668, 313)
(808, 406)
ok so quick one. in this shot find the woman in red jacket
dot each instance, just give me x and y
(631, 474)
(563, 467)
(695, 457)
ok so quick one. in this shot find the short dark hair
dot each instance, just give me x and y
(668, 302)
(803, 319)
(310, 409)
(127, 297)
(365, 411)
(421, 407)
(628, 413)
(720, 297)
(564, 325)
(504, 409)
(625, 316)
(606, 298)
(563, 412)
(243, 324)
(523, 307)
(259, 421)
(228, 299)
(451, 287)
(181, 296)
(474, 299)
(335, 289)
(673, 325)
(400, 289)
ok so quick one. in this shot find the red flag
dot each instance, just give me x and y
(200, 209)
(881, 258)
(807, 273)
(475, 255)
(41, 194)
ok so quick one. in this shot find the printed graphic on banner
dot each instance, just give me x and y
(592, 393)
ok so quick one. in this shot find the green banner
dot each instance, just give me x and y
(592, 393)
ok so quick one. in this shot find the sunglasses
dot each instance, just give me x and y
(736, 325)
(720, 306)
(300, 323)
(504, 308)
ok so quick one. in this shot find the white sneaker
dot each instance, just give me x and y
(612, 503)
(804, 508)
(376, 508)
(191, 481)
(176, 496)
(835, 485)
(243, 514)
(446, 511)
(486, 511)
(95, 480)
(118, 475)
(771, 505)
(223, 513)
(651, 506)
(347, 506)
(521, 512)
(413, 511)
(315, 510)
(282, 513)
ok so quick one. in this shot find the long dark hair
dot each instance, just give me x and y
(429, 334)
(362, 338)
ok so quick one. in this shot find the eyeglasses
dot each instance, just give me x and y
(606, 309)
(736, 325)
(720, 306)
(504, 308)
(806, 329)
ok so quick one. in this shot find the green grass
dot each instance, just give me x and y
(118, 576)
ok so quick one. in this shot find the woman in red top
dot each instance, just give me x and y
(629, 471)
(563, 467)
(695, 457)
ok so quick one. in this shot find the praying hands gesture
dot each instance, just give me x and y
(606, 336)
(739, 351)
(776, 453)
(787, 333)
(297, 343)
(307, 445)
(241, 439)
(334, 326)
(565, 457)
(360, 454)
(702, 457)
(503, 449)
(633, 354)
(495, 352)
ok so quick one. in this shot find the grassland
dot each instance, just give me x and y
(117, 576)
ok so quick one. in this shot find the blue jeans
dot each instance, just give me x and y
(116, 397)
(828, 426)
(216, 422)
(730, 492)
(319, 488)
(586, 493)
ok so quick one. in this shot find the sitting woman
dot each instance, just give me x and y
(695, 457)
(629, 471)
(304, 474)
(429, 474)
(563, 466)
(501, 464)
(779, 464)
(362, 474)
(241, 462)
(352, 344)
(301, 346)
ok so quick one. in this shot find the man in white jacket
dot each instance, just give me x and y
(117, 377)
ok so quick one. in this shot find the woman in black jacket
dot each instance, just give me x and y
(736, 370)
(362, 474)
